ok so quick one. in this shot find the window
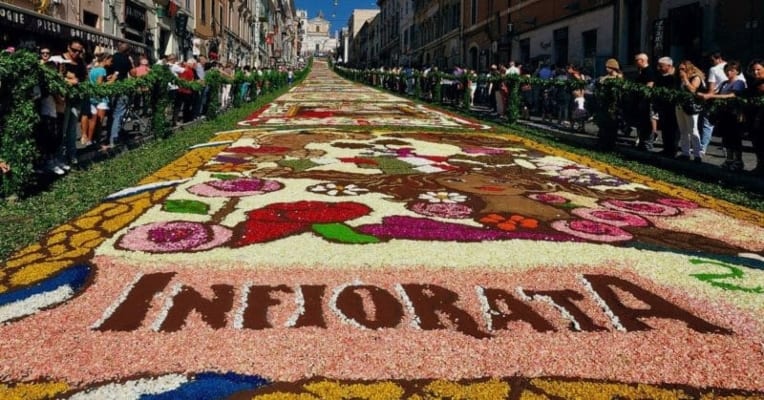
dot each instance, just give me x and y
(473, 63)
(204, 12)
(634, 27)
(473, 12)
(90, 19)
(561, 45)
(589, 39)
(318, 29)
(525, 51)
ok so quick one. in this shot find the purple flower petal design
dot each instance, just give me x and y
(402, 227)
(611, 217)
(593, 231)
(239, 187)
(641, 207)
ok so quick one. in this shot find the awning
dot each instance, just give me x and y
(26, 20)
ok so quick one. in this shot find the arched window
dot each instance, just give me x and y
(318, 29)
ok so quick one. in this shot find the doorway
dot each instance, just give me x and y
(561, 46)
(474, 58)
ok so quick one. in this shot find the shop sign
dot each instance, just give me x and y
(27, 22)
(659, 28)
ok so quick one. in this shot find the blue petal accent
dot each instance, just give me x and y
(75, 277)
(211, 385)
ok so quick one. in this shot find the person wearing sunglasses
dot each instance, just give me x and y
(74, 71)
(44, 55)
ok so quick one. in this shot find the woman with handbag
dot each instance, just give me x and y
(691, 80)
(729, 119)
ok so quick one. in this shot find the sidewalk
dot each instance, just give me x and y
(709, 170)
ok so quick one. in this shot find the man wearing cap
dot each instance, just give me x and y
(609, 128)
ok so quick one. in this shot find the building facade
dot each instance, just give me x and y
(388, 27)
(406, 29)
(358, 19)
(244, 32)
(437, 39)
(691, 29)
(316, 35)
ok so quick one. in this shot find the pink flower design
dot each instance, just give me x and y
(611, 217)
(239, 187)
(442, 210)
(484, 150)
(592, 230)
(678, 203)
(641, 207)
(548, 198)
(174, 237)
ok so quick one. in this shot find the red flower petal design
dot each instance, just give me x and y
(279, 220)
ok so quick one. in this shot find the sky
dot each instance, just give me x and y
(337, 15)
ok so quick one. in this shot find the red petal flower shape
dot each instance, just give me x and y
(279, 220)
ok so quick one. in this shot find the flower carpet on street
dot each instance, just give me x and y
(340, 261)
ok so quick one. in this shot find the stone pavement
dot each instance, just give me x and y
(346, 243)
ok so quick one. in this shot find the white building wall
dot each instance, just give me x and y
(601, 20)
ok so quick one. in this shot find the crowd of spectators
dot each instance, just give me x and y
(98, 122)
(684, 130)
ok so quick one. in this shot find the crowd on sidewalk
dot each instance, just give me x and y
(98, 122)
(685, 129)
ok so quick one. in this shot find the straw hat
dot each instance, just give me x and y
(613, 64)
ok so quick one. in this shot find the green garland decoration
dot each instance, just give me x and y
(467, 80)
(513, 100)
(17, 146)
(214, 80)
(437, 87)
(616, 90)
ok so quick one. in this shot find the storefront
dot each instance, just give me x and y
(25, 29)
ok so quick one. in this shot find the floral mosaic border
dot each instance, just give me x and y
(59, 268)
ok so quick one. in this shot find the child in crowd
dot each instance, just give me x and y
(580, 115)
(548, 105)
